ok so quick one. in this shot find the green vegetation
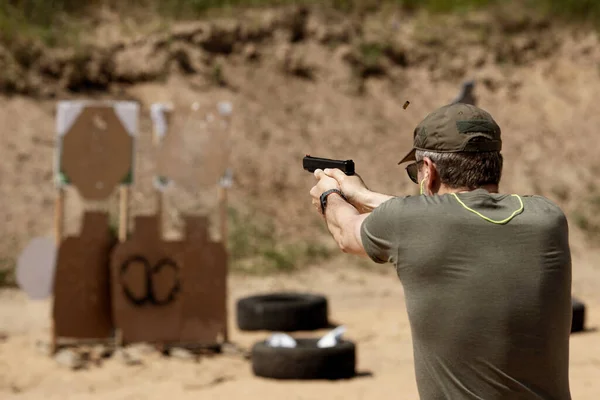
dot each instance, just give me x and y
(254, 247)
(217, 75)
(7, 272)
(54, 20)
(371, 53)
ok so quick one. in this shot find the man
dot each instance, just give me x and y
(486, 276)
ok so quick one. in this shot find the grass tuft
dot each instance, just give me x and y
(255, 247)
(7, 272)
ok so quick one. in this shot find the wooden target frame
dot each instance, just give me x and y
(200, 315)
(84, 130)
(169, 292)
(163, 117)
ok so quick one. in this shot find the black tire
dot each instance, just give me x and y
(578, 322)
(282, 312)
(305, 361)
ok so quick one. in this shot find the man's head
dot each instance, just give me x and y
(456, 147)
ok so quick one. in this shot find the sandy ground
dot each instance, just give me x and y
(369, 303)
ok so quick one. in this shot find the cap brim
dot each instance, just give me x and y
(411, 156)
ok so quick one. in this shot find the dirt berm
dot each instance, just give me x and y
(306, 80)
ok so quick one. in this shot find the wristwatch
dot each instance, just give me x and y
(327, 193)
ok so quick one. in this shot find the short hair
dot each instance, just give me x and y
(468, 170)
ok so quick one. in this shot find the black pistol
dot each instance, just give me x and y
(313, 163)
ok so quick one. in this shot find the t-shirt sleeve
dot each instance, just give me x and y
(378, 234)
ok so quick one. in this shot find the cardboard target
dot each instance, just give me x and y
(146, 276)
(81, 307)
(95, 143)
(204, 288)
(169, 291)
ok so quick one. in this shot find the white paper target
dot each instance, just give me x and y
(195, 154)
(36, 267)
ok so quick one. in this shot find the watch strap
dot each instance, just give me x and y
(324, 198)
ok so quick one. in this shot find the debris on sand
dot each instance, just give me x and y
(181, 353)
(128, 357)
(70, 358)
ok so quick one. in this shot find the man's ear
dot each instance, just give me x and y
(434, 182)
(431, 174)
(427, 168)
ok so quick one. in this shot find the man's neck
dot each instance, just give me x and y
(447, 190)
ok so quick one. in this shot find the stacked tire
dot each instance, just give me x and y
(282, 312)
(305, 361)
(293, 312)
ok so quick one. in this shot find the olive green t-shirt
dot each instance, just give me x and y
(489, 304)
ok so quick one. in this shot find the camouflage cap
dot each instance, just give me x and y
(456, 128)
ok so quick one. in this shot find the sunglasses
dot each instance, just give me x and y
(413, 170)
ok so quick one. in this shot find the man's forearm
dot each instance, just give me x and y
(371, 200)
(337, 215)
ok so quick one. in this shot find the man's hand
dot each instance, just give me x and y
(324, 184)
(353, 187)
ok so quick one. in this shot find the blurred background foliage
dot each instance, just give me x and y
(46, 17)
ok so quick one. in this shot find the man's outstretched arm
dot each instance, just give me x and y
(343, 219)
